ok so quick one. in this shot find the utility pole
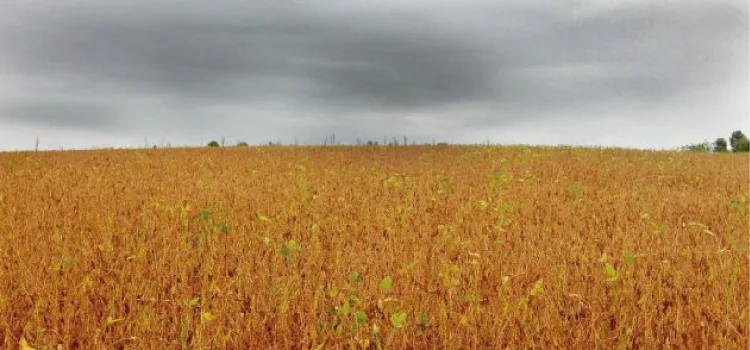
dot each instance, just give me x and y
(36, 146)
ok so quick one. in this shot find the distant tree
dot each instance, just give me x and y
(720, 145)
(242, 144)
(697, 147)
(743, 146)
(213, 144)
(737, 140)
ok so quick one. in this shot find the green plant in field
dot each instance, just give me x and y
(355, 277)
(483, 205)
(449, 274)
(398, 320)
(204, 215)
(288, 249)
(612, 274)
(111, 320)
(537, 289)
(395, 182)
(630, 257)
(424, 321)
(406, 269)
(445, 185)
(207, 227)
(386, 283)
(575, 189)
(656, 227)
(262, 217)
(740, 204)
(499, 179)
(346, 314)
(185, 327)
(192, 303)
(503, 212)
(64, 263)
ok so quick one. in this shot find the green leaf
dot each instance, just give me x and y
(735, 204)
(207, 316)
(483, 205)
(287, 249)
(194, 302)
(292, 245)
(286, 254)
(262, 217)
(630, 257)
(204, 215)
(344, 310)
(111, 320)
(538, 288)
(339, 330)
(398, 320)
(409, 266)
(386, 284)
(355, 277)
(611, 272)
(424, 321)
(661, 228)
(360, 316)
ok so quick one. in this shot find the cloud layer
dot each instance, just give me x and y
(513, 71)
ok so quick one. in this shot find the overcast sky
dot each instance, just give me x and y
(639, 73)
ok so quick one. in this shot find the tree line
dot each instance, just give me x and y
(737, 141)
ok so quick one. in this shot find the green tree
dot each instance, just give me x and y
(743, 146)
(720, 145)
(738, 141)
(213, 144)
(244, 144)
(698, 147)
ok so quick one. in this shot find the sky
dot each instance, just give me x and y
(126, 73)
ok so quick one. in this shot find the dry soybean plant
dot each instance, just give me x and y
(374, 248)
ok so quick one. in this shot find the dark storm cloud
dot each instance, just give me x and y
(388, 61)
(63, 114)
(359, 67)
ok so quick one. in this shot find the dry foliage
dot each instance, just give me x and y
(379, 247)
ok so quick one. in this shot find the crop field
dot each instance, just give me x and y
(374, 247)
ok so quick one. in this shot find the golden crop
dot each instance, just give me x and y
(374, 247)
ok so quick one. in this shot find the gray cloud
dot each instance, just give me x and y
(429, 69)
(61, 114)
